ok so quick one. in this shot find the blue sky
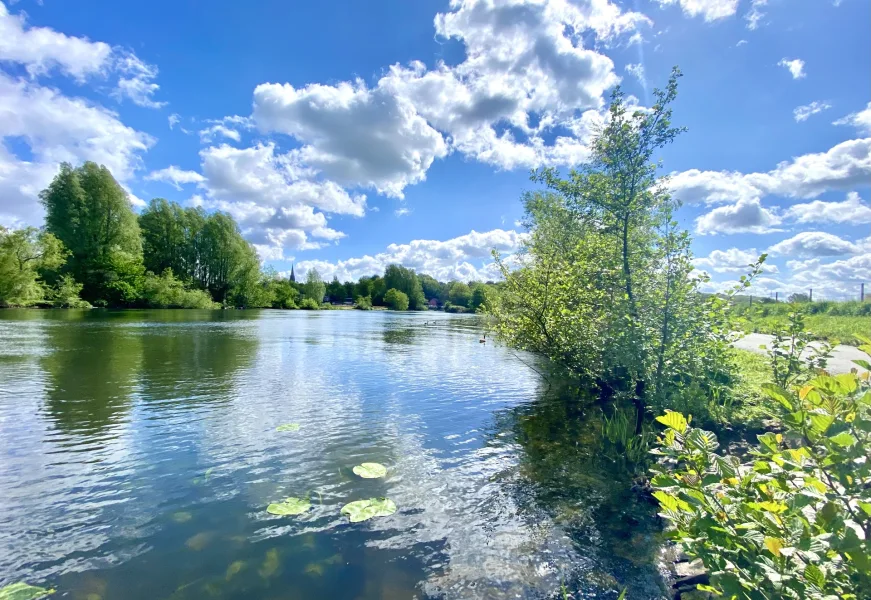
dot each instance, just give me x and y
(347, 135)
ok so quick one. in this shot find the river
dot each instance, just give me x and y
(138, 453)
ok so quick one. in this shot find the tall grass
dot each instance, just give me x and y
(832, 321)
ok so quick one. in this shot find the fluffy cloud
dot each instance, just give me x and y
(208, 134)
(732, 260)
(637, 71)
(852, 211)
(465, 258)
(846, 165)
(175, 176)
(755, 15)
(42, 49)
(813, 244)
(795, 67)
(802, 113)
(745, 216)
(711, 10)
(57, 128)
(137, 81)
(860, 120)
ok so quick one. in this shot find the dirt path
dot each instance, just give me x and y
(841, 361)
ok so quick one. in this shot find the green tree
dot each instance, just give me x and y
(479, 298)
(166, 291)
(396, 300)
(66, 294)
(406, 281)
(432, 288)
(335, 290)
(314, 288)
(460, 294)
(24, 253)
(91, 214)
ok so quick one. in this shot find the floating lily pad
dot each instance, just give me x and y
(363, 510)
(370, 470)
(288, 427)
(291, 506)
(23, 591)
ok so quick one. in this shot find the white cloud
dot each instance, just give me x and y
(637, 71)
(802, 113)
(800, 265)
(210, 133)
(846, 165)
(795, 67)
(175, 176)
(852, 211)
(42, 49)
(57, 128)
(711, 10)
(745, 216)
(137, 81)
(465, 258)
(402, 212)
(732, 260)
(860, 120)
(813, 244)
(755, 15)
(741, 43)
(173, 120)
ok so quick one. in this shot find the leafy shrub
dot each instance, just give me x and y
(309, 304)
(363, 303)
(396, 300)
(66, 294)
(795, 520)
(165, 291)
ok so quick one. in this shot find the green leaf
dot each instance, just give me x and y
(864, 364)
(23, 591)
(814, 575)
(370, 470)
(774, 545)
(702, 440)
(844, 439)
(821, 423)
(777, 393)
(674, 420)
(288, 427)
(290, 506)
(362, 510)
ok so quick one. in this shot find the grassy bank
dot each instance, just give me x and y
(830, 321)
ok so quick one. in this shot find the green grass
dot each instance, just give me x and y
(749, 406)
(831, 328)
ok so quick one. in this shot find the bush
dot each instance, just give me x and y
(793, 522)
(396, 300)
(309, 304)
(363, 303)
(165, 291)
(66, 294)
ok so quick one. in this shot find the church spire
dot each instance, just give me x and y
(292, 276)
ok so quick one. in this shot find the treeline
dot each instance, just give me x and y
(95, 251)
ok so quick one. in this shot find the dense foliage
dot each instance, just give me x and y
(792, 521)
(24, 254)
(836, 322)
(605, 284)
(396, 300)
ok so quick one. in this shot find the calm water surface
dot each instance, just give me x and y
(138, 453)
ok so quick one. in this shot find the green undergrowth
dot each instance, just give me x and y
(831, 328)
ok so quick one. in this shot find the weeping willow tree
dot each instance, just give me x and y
(604, 285)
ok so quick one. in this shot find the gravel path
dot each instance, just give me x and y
(841, 361)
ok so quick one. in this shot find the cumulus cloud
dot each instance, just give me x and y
(710, 10)
(175, 176)
(813, 244)
(57, 128)
(173, 120)
(745, 216)
(852, 211)
(732, 260)
(42, 49)
(861, 120)
(464, 258)
(802, 113)
(795, 66)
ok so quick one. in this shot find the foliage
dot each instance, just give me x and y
(309, 304)
(370, 470)
(795, 520)
(459, 294)
(619, 431)
(336, 290)
(480, 299)
(289, 507)
(166, 291)
(363, 303)
(24, 254)
(406, 281)
(835, 322)
(23, 591)
(396, 300)
(314, 287)
(362, 510)
(67, 294)
(792, 354)
(90, 213)
(282, 292)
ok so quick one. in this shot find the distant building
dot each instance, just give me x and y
(433, 303)
(292, 276)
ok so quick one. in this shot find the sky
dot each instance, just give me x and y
(346, 135)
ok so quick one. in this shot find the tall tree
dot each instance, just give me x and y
(90, 213)
(314, 287)
(23, 254)
(406, 281)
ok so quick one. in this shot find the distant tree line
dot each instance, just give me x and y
(95, 251)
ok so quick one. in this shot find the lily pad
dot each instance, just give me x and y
(370, 470)
(23, 591)
(363, 510)
(288, 427)
(291, 506)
